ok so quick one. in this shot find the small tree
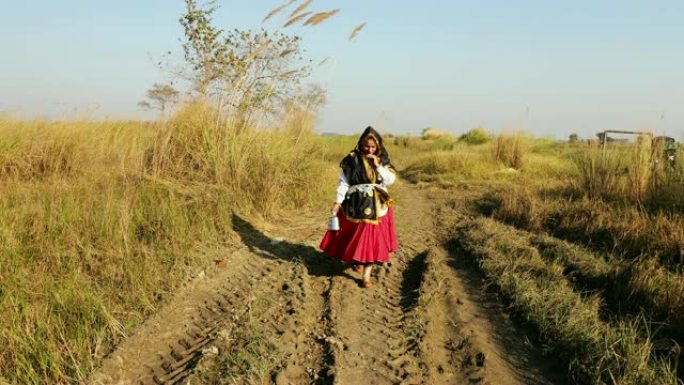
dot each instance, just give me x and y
(160, 97)
(243, 69)
(573, 138)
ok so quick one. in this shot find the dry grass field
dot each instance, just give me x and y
(182, 251)
(584, 243)
(185, 250)
(101, 222)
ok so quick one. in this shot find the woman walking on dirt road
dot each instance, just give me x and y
(363, 207)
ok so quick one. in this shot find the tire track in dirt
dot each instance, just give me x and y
(374, 325)
(308, 355)
(296, 321)
(425, 321)
(297, 334)
(470, 332)
(168, 347)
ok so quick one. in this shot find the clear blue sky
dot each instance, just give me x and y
(550, 67)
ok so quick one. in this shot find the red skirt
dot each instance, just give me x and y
(362, 242)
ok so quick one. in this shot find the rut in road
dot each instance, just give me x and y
(423, 322)
(374, 325)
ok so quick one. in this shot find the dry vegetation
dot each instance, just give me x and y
(102, 221)
(571, 325)
(609, 304)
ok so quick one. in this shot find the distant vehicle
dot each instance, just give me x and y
(666, 144)
(604, 138)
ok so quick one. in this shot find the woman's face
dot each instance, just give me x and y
(369, 147)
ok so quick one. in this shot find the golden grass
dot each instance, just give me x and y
(100, 220)
(626, 287)
(454, 165)
(624, 212)
(511, 149)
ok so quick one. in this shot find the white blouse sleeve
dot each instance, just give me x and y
(388, 176)
(342, 188)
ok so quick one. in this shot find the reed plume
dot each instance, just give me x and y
(320, 17)
(277, 10)
(301, 7)
(296, 19)
(356, 31)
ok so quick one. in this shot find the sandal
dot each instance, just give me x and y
(358, 268)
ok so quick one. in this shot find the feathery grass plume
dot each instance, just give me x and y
(356, 31)
(322, 62)
(320, 17)
(277, 10)
(296, 19)
(286, 52)
(301, 7)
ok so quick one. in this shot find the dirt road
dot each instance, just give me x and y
(278, 311)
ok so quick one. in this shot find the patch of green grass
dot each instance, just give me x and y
(632, 288)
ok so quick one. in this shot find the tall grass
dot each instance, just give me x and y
(453, 165)
(100, 222)
(621, 172)
(265, 170)
(570, 324)
(511, 149)
(628, 231)
(627, 287)
(631, 173)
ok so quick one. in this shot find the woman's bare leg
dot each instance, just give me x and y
(367, 270)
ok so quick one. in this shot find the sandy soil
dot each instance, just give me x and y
(427, 320)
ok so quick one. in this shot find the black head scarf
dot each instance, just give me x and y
(381, 152)
(353, 163)
(363, 206)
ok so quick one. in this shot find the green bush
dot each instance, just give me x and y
(477, 135)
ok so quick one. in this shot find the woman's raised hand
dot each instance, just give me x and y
(375, 159)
